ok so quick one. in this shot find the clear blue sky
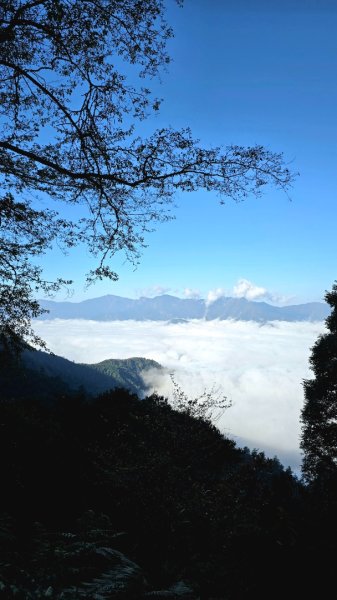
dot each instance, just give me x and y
(245, 72)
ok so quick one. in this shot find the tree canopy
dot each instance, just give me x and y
(73, 88)
(319, 415)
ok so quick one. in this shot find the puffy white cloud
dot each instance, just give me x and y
(260, 368)
(214, 295)
(250, 291)
(154, 290)
(246, 289)
(190, 293)
(242, 289)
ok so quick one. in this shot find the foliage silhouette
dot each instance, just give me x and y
(319, 414)
(209, 406)
(179, 499)
(72, 95)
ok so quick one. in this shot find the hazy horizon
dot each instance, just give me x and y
(243, 289)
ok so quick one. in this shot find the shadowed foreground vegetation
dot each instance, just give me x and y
(121, 498)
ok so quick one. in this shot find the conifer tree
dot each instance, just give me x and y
(319, 414)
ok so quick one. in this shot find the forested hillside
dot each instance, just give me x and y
(121, 498)
(113, 496)
(166, 490)
(127, 372)
(47, 376)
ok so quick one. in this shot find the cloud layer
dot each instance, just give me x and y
(259, 368)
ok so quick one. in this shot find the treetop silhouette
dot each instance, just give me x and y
(72, 85)
(319, 414)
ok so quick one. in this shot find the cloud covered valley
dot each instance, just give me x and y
(259, 368)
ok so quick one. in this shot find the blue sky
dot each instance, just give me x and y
(244, 73)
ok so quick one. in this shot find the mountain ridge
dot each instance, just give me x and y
(50, 375)
(166, 308)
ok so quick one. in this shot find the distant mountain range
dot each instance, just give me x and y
(170, 308)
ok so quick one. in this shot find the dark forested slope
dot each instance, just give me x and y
(117, 498)
(120, 479)
(48, 375)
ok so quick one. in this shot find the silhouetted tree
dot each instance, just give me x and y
(208, 406)
(319, 415)
(69, 105)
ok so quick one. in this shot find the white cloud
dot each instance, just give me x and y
(152, 291)
(250, 291)
(246, 289)
(260, 368)
(190, 293)
(214, 295)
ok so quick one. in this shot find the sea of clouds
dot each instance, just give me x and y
(260, 368)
